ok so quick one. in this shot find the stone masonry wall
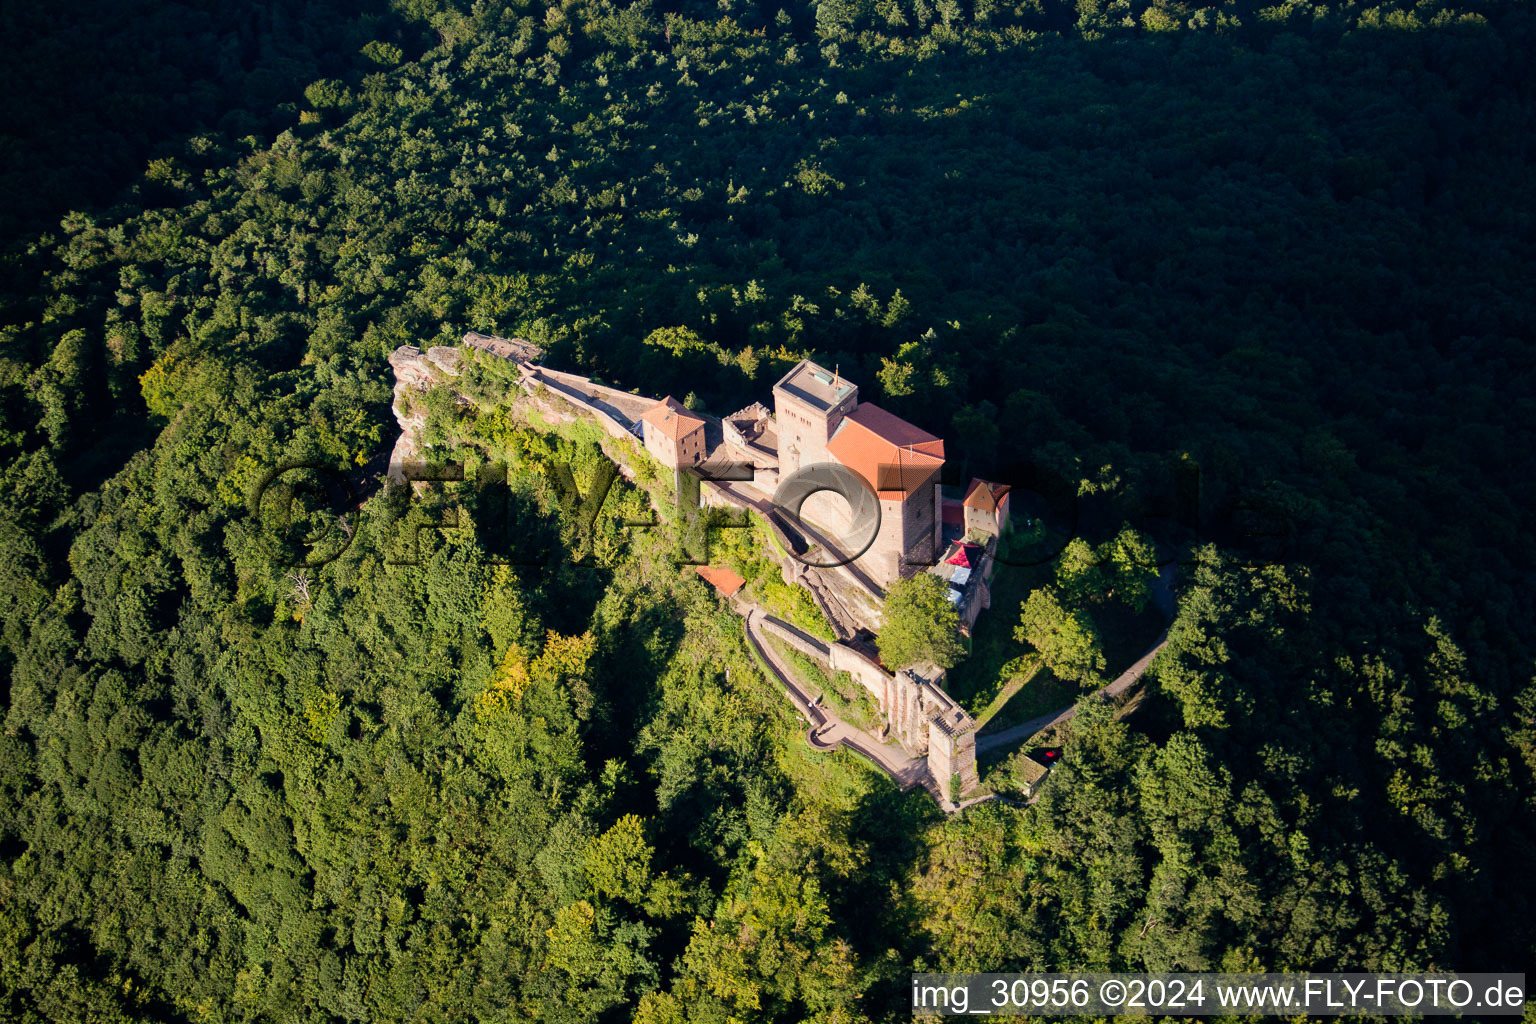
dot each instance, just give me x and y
(917, 711)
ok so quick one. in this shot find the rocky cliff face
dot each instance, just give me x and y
(415, 374)
(418, 372)
(446, 359)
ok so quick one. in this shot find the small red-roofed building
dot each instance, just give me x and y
(722, 578)
(986, 508)
(966, 556)
(673, 434)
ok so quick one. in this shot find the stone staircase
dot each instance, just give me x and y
(843, 623)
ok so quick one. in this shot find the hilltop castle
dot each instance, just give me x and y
(817, 420)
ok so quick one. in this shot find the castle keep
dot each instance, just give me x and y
(821, 420)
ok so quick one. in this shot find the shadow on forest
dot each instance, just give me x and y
(892, 825)
(95, 88)
(1031, 193)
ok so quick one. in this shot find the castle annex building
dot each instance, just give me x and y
(672, 434)
(820, 419)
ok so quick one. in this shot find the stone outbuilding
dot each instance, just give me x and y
(986, 508)
(672, 434)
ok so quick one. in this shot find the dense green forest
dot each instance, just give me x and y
(1249, 264)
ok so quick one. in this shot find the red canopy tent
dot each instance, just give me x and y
(967, 556)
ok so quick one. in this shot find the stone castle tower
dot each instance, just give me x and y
(819, 419)
(809, 405)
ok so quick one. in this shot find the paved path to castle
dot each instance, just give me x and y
(1162, 594)
(1025, 730)
(829, 731)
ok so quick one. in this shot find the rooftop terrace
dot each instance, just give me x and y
(816, 385)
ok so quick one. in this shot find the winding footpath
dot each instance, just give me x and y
(1025, 730)
(827, 730)
(1162, 595)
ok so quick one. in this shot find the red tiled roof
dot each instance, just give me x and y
(892, 455)
(722, 579)
(985, 495)
(672, 419)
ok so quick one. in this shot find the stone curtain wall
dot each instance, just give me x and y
(917, 711)
(804, 643)
(867, 672)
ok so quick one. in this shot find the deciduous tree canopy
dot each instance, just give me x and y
(920, 624)
(1255, 280)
